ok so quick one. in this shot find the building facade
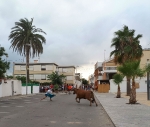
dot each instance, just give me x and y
(104, 72)
(40, 71)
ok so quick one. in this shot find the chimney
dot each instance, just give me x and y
(35, 61)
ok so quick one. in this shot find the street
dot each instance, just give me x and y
(63, 111)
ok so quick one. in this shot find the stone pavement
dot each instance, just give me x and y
(123, 114)
(140, 97)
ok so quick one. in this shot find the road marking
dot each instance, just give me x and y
(74, 122)
(4, 112)
(27, 102)
(19, 106)
(13, 103)
(4, 106)
(53, 121)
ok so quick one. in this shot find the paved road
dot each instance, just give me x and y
(63, 111)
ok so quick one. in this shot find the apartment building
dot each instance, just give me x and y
(69, 72)
(40, 71)
(145, 59)
(104, 71)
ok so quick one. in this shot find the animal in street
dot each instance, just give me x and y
(82, 94)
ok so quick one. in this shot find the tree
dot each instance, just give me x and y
(22, 78)
(132, 70)
(118, 78)
(56, 79)
(4, 65)
(127, 47)
(84, 81)
(25, 36)
(9, 77)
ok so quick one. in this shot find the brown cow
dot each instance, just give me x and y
(82, 94)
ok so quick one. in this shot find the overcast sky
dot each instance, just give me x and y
(78, 31)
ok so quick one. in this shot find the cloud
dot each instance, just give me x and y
(78, 31)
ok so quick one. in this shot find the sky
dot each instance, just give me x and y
(78, 32)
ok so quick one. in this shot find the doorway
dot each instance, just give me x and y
(12, 87)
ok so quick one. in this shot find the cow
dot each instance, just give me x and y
(82, 94)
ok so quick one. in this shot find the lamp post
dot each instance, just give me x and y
(27, 68)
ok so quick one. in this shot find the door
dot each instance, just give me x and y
(12, 87)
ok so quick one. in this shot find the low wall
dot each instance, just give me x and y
(35, 89)
(0, 90)
(123, 86)
(31, 88)
(10, 88)
(15, 87)
(24, 90)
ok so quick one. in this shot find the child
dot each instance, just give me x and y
(49, 93)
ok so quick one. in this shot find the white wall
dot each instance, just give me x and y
(24, 90)
(0, 90)
(123, 85)
(35, 89)
(6, 88)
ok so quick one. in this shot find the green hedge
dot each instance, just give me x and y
(30, 84)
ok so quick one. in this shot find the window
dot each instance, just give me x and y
(69, 77)
(31, 77)
(64, 70)
(38, 77)
(30, 67)
(43, 77)
(60, 70)
(43, 67)
(23, 68)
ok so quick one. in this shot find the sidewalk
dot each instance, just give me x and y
(122, 114)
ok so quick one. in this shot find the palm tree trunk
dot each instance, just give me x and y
(132, 99)
(118, 92)
(128, 87)
(27, 63)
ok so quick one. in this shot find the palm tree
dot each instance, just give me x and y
(118, 78)
(25, 36)
(131, 70)
(127, 47)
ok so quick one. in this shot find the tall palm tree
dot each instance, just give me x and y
(132, 70)
(25, 36)
(127, 47)
(118, 78)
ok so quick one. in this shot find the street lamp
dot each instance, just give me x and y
(27, 69)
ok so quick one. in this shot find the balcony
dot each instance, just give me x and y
(98, 65)
(110, 70)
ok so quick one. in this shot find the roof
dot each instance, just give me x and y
(66, 66)
(36, 64)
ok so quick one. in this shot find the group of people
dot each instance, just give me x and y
(49, 90)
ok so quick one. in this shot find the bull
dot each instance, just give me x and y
(82, 94)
